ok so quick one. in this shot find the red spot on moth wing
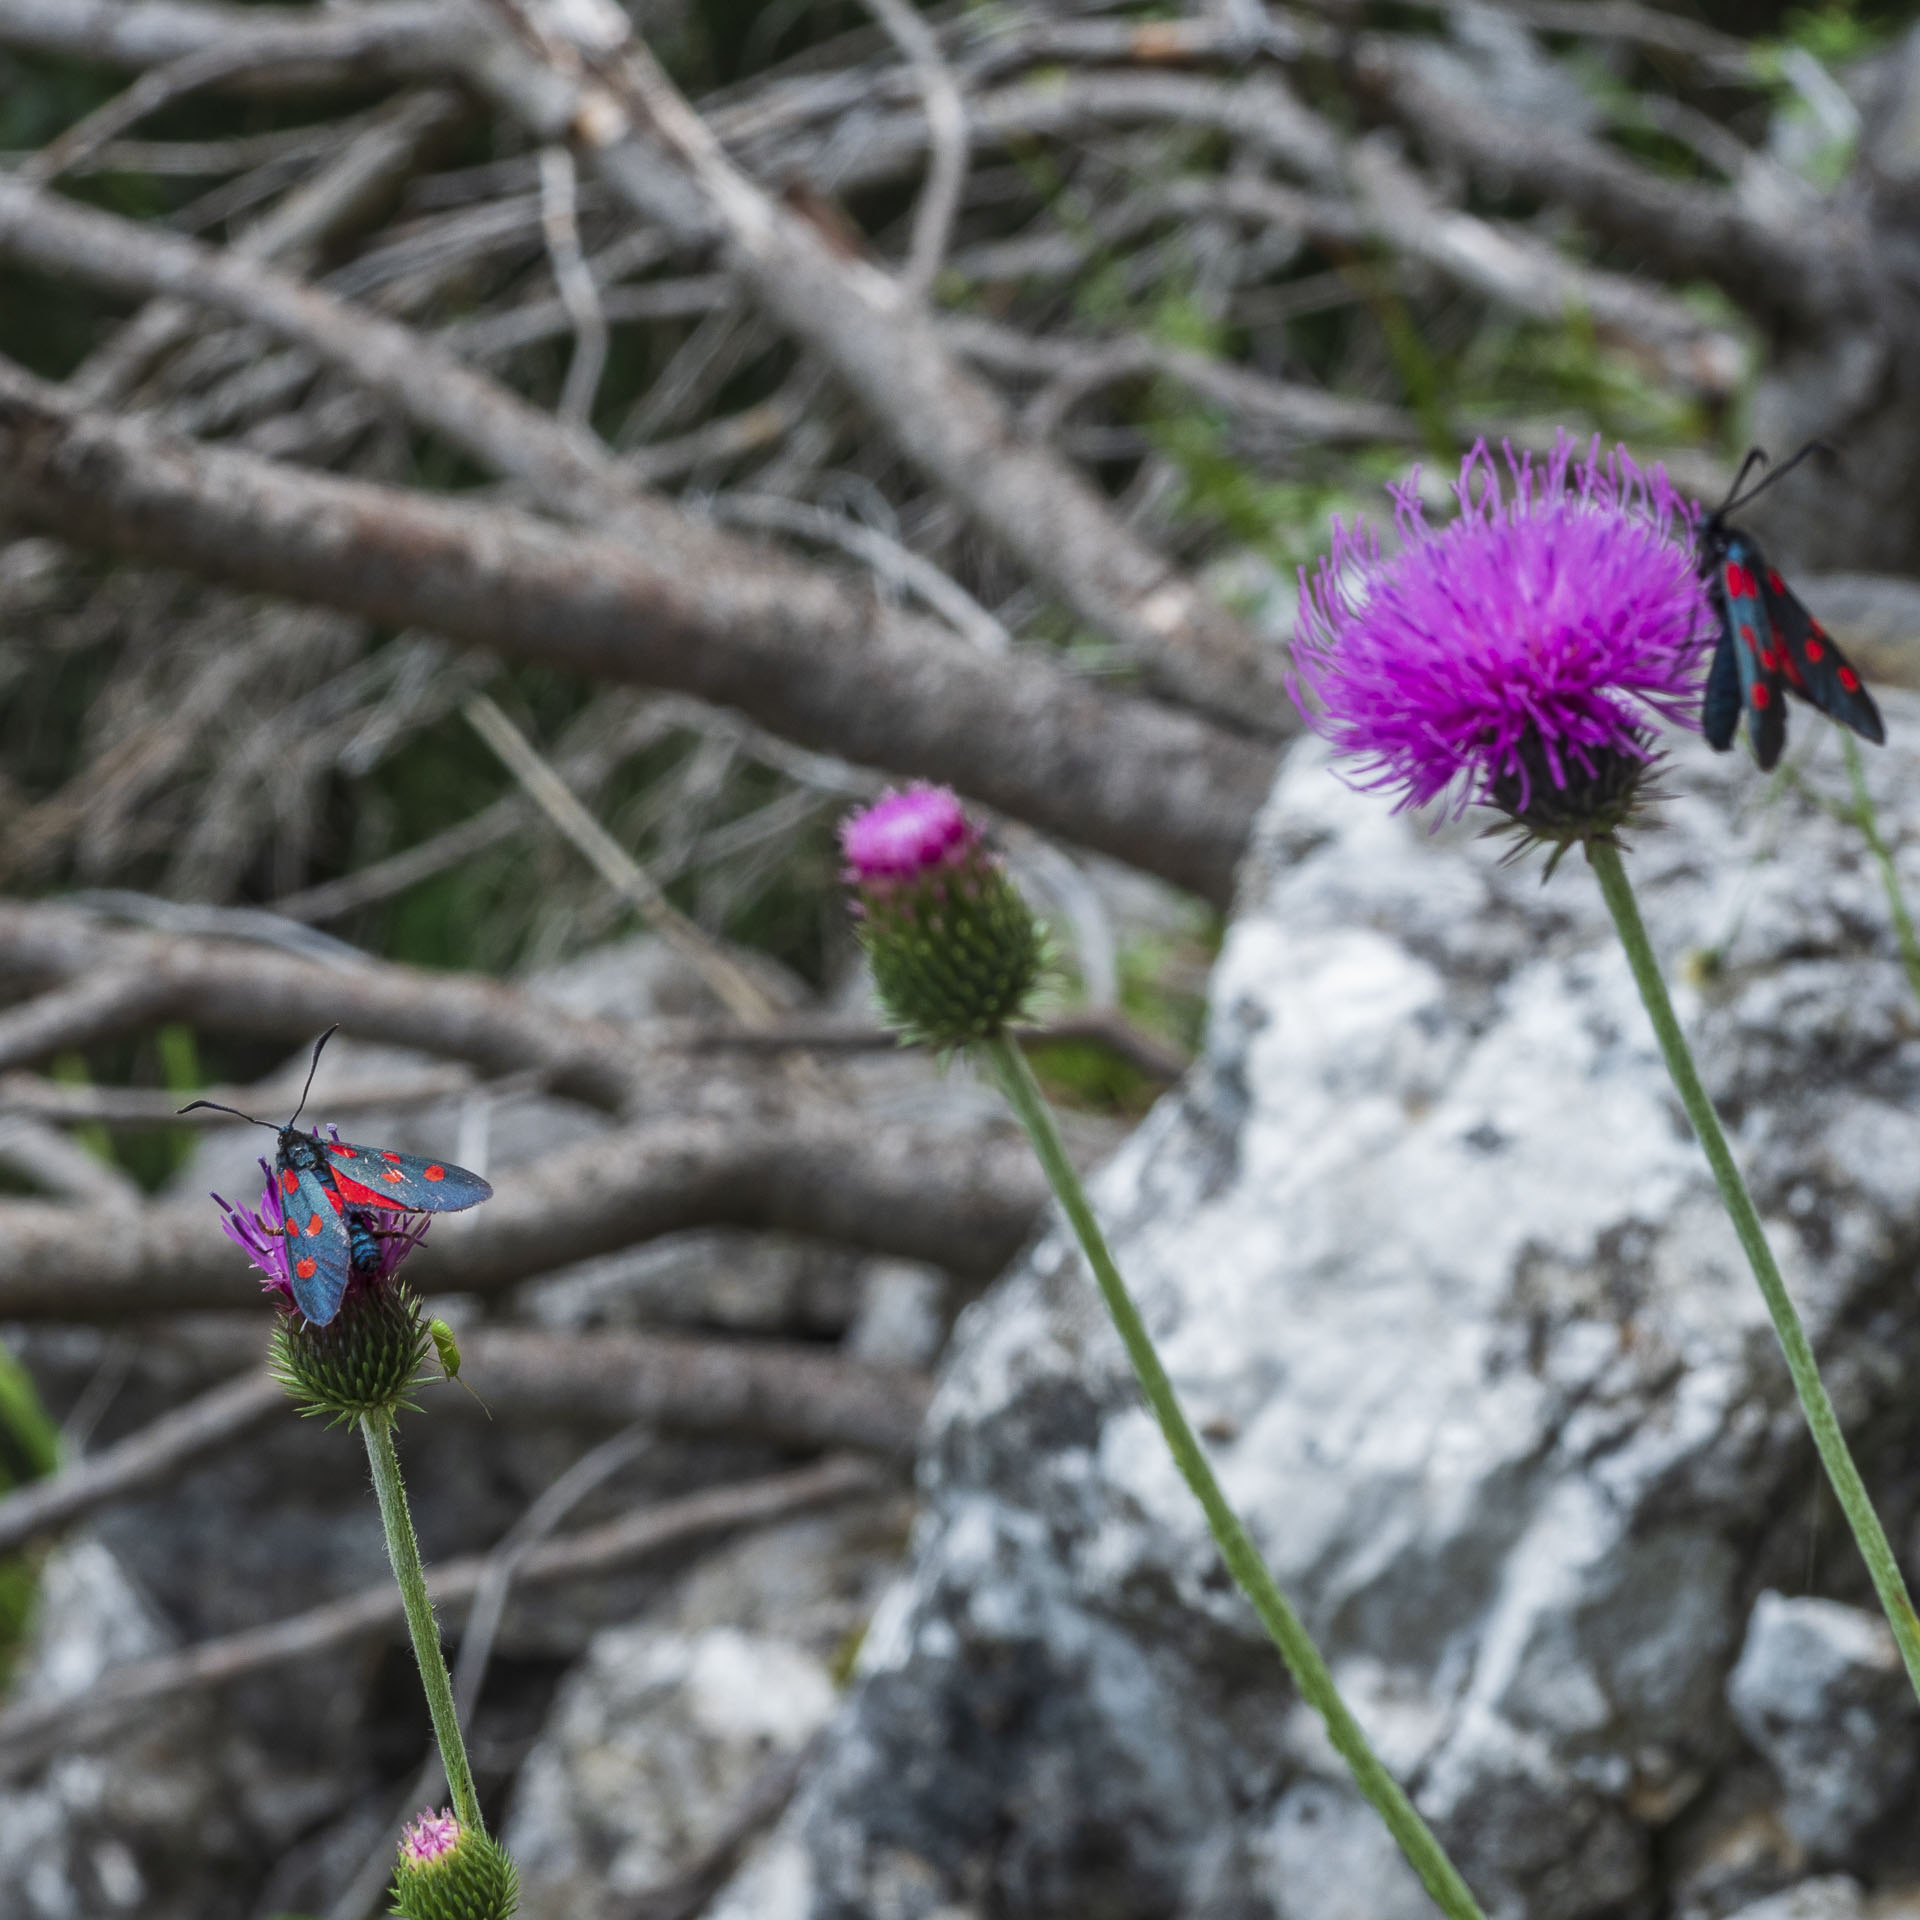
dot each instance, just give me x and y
(305, 1268)
(291, 1229)
(1775, 582)
(1849, 679)
(1762, 696)
(1815, 651)
(394, 1157)
(393, 1173)
(1739, 581)
(289, 1181)
(436, 1173)
(362, 1196)
(340, 1152)
(313, 1226)
(1747, 634)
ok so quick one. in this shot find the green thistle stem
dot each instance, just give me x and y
(403, 1549)
(1794, 1344)
(1416, 1840)
(1869, 823)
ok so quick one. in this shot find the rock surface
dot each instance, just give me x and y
(1442, 1277)
(1819, 1690)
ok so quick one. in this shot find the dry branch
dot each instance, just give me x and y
(885, 346)
(792, 648)
(31, 1731)
(1811, 272)
(961, 1198)
(143, 1460)
(227, 986)
(786, 1393)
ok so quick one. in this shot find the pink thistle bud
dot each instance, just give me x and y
(955, 950)
(431, 1837)
(907, 836)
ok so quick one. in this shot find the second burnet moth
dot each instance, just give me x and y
(324, 1188)
(1770, 645)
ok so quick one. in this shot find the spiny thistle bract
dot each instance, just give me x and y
(366, 1360)
(956, 952)
(1514, 657)
(449, 1872)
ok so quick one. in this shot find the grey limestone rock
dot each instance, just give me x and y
(1442, 1278)
(1832, 1897)
(1820, 1691)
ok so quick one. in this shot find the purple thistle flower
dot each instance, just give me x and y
(904, 836)
(429, 1838)
(1516, 656)
(382, 1238)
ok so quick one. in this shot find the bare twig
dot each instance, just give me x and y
(736, 989)
(61, 1105)
(229, 987)
(1801, 271)
(886, 556)
(366, 886)
(578, 289)
(156, 88)
(939, 203)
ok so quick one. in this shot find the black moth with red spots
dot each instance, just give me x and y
(1770, 645)
(318, 1180)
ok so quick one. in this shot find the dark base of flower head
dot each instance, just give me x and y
(476, 1881)
(955, 956)
(1588, 802)
(365, 1360)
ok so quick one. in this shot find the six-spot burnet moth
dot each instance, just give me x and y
(323, 1187)
(1770, 645)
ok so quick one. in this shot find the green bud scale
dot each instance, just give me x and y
(449, 1872)
(365, 1360)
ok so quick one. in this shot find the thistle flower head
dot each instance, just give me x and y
(449, 1872)
(1515, 657)
(369, 1355)
(382, 1237)
(955, 950)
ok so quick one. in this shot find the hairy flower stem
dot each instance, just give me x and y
(1821, 1418)
(1437, 1873)
(1869, 823)
(404, 1551)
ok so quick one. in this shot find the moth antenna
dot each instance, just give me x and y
(216, 1107)
(1736, 499)
(313, 1067)
(1727, 505)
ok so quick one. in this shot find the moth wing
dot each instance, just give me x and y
(1720, 708)
(1762, 672)
(377, 1177)
(319, 1249)
(1816, 669)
